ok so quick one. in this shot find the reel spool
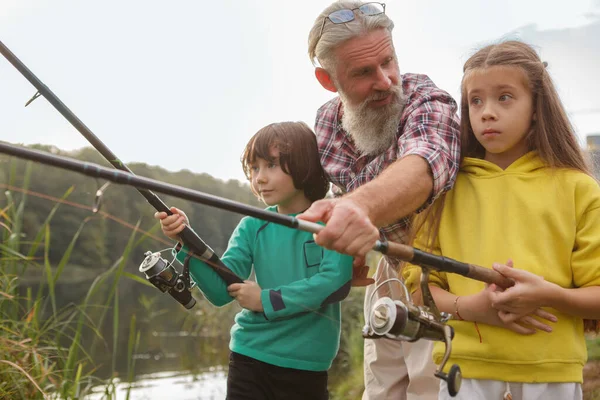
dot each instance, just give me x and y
(399, 320)
(165, 277)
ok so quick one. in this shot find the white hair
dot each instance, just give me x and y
(322, 48)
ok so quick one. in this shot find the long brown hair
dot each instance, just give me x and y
(552, 134)
(298, 156)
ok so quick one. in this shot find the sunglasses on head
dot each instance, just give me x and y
(346, 15)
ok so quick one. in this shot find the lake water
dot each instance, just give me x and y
(210, 385)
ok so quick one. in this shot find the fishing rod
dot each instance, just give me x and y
(187, 236)
(391, 318)
(401, 251)
(394, 319)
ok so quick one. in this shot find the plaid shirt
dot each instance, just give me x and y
(429, 127)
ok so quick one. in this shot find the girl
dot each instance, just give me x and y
(524, 192)
(286, 337)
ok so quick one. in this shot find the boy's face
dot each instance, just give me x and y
(275, 187)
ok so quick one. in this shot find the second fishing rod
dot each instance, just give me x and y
(188, 236)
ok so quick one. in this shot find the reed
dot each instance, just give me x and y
(41, 352)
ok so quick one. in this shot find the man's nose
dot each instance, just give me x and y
(383, 80)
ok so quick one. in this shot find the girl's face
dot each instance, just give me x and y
(275, 187)
(501, 112)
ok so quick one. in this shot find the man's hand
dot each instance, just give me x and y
(359, 276)
(172, 225)
(247, 295)
(348, 229)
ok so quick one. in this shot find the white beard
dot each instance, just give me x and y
(373, 130)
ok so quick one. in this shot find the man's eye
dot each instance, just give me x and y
(362, 72)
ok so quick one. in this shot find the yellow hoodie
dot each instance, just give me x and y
(548, 222)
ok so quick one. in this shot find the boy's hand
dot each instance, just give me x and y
(247, 295)
(172, 225)
(359, 276)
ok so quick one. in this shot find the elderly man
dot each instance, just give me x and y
(390, 144)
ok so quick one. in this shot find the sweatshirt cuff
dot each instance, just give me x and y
(266, 303)
(272, 302)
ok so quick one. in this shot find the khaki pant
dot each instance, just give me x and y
(394, 369)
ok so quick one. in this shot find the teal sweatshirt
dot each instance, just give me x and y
(302, 286)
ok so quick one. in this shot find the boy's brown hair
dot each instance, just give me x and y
(298, 156)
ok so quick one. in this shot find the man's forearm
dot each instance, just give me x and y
(401, 189)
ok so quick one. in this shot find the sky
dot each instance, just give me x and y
(184, 84)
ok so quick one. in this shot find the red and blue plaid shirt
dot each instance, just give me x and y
(429, 127)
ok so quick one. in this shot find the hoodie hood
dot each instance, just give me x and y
(529, 162)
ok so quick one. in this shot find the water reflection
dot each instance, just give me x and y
(180, 334)
(209, 385)
(181, 354)
(154, 356)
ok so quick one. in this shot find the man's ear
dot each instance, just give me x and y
(325, 79)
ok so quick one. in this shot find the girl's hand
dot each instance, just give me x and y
(247, 295)
(172, 225)
(479, 308)
(528, 319)
(529, 293)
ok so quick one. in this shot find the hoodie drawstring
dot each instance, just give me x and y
(507, 394)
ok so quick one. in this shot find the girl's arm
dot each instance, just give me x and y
(475, 308)
(331, 284)
(478, 308)
(582, 302)
(532, 291)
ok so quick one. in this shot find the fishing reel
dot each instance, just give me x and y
(165, 277)
(398, 320)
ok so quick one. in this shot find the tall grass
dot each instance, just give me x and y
(346, 375)
(41, 352)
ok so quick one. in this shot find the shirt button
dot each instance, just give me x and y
(352, 175)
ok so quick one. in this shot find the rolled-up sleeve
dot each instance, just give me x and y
(432, 131)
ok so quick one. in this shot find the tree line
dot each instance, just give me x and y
(103, 237)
